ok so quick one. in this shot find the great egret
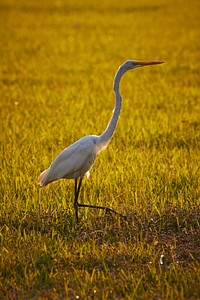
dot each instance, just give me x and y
(75, 161)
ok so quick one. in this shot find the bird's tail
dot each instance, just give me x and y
(42, 177)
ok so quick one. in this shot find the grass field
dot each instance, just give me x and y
(57, 63)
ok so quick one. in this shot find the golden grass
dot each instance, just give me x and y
(58, 60)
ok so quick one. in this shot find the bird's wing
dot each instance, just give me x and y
(74, 161)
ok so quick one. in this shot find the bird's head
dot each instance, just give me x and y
(132, 64)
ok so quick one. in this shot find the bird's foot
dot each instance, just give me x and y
(111, 210)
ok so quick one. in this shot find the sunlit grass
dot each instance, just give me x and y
(58, 60)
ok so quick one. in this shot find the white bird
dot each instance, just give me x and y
(75, 161)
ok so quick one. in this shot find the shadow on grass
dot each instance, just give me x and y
(175, 232)
(42, 250)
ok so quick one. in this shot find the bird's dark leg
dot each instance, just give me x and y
(78, 182)
(76, 194)
(107, 209)
(76, 199)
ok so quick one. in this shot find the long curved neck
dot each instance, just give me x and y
(106, 136)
